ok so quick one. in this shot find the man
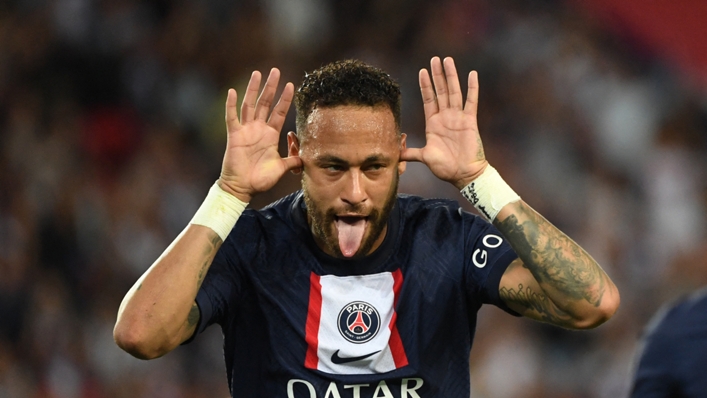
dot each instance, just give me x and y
(673, 357)
(346, 289)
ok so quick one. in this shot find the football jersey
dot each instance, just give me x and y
(673, 354)
(397, 323)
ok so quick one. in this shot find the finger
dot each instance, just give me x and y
(440, 82)
(262, 108)
(251, 95)
(455, 90)
(232, 123)
(472, 96)
(279, 113)
(411, 155)
(429, 101)
(293, 163)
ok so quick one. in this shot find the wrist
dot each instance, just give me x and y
(466, 180)
(489, 193)
(219, 211)
(243, 197)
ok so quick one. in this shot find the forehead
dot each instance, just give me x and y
(350, 125)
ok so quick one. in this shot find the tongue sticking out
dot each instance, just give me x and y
(350, 234)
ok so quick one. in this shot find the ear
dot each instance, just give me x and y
(293, 149)
(403, 144)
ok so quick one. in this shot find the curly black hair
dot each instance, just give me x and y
(348, 82)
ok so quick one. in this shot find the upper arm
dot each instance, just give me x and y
(521, 292)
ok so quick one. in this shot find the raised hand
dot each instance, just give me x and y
(453, 150)
(252, 163)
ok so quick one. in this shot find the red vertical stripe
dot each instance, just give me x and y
(314, 313)
(395, 343)
(397, 285)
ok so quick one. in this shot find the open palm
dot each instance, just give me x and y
(252, 163)
(453, 149)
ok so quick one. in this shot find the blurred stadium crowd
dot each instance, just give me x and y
(111, 132)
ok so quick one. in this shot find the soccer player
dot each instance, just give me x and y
(346, 288)
(673, 356)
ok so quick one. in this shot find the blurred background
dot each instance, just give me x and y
(111, 132)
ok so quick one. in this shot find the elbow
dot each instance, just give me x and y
(602, 312)
(136, 342)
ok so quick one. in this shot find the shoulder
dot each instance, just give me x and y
(681, 316)
(434, 212)
(677, 326)
(275, 218)
(412, 205)
(279, 211)
(673, 346)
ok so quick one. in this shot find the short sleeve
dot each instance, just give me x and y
(488, 254)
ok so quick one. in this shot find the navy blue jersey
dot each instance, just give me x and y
(673, 358)
(398, 323)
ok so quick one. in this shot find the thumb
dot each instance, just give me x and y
(293, 163)
(411, 154)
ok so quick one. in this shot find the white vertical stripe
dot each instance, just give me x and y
(337, 293)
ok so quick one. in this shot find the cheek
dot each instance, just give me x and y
(381, 186)
(319, 187)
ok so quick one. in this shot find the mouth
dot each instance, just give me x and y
(350, 218)
(351, 229)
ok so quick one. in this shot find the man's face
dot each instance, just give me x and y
(351, 169)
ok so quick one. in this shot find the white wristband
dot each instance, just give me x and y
(489, 193)
(220, 211)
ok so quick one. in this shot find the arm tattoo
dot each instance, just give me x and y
(192, 321)
(480, 153)
(537, 302)
(552, 257)
(209, 252)
(193, 318)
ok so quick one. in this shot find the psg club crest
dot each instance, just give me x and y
(359, 322)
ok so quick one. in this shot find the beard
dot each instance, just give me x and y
(322, 221)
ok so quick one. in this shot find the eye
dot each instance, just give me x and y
(376, 167)
(333, 167)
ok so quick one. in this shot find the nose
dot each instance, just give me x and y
(354, 192)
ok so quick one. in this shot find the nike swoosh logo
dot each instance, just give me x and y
(335, 358)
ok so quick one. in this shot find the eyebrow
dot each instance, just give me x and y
(337, 160)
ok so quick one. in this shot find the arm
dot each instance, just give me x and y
(554, 280)
(159, 311)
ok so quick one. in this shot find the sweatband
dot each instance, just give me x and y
(220, 211)
(489, 193)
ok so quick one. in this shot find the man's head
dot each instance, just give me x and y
(348, 82)
(349, 140)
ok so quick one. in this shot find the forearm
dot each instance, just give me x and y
(568, 276)
(159, 312)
